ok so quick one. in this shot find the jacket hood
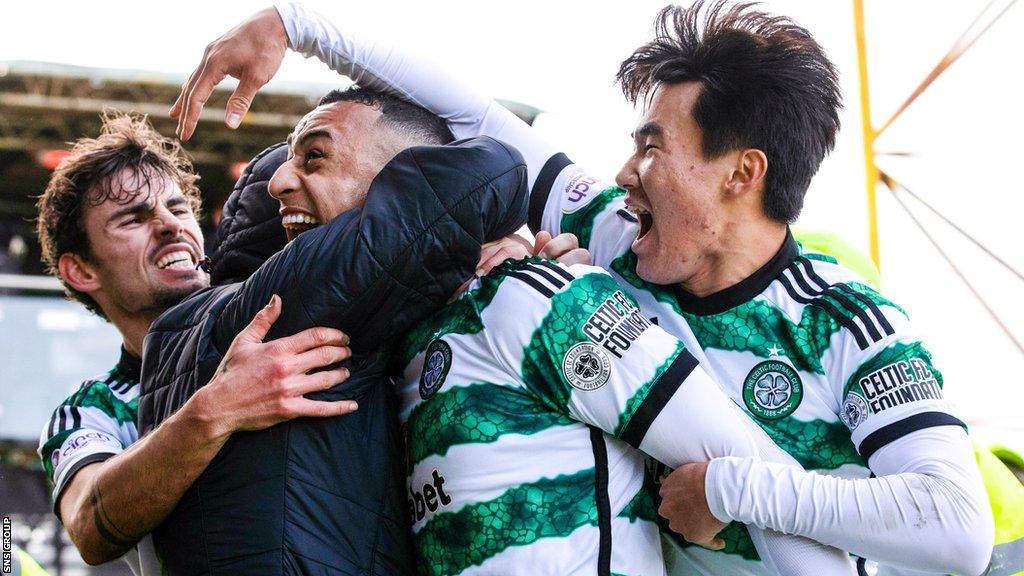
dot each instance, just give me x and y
(250, 228)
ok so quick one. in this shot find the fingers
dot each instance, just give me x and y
(320, 357)
(322, 409)
(715, 544)
(257, 329)
(502, 254)
(240, 101)
(540, 240)
(577, 256)
(175, 111)
(317, 382)
(311, 338)
(561, 244)
(198, 94)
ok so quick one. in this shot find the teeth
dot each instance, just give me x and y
(179, 259)
(638, 210)
(299, 220)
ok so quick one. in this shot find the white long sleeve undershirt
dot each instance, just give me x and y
(926, 510)
(377, 65)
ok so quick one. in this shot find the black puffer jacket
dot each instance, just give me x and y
(250, 228)
(326, 496)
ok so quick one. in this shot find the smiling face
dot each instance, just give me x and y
(678, 195)
(142, 252)
(334, 153)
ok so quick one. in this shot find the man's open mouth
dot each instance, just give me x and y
(645, 219)
(176, 259)
(298, 223)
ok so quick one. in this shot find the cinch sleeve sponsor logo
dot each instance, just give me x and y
(579, 190)
(80, 440)
(898, 383)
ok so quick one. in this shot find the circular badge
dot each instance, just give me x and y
(435, 367)
(586, 367)
(854, 411)
(772, 390)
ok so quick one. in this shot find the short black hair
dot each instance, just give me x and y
(396, 112)
(766, 84)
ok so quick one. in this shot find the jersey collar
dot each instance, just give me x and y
(745, 290)
(129, 365)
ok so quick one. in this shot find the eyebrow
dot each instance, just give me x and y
(306, 137)
(648, 129)
(142, 207)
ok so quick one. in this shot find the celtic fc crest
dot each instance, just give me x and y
(772, 390)
(586, 367)
(435, 367)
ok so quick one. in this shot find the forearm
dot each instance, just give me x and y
(714, 427)
(378, 65)
(117, 502)
(926, 512)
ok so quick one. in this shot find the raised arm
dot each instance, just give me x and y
(252, 53)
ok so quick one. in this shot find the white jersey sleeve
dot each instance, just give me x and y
(92, 425)
(567, 199)
(927, 509)
(377, 65)
(886, 384)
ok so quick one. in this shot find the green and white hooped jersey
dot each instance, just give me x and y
(828, 367)
(521, 404)
(95, 423)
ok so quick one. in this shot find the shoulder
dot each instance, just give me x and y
(540, 278)
(841, 299)
(479, 158)
(101, 398)
(195, 309)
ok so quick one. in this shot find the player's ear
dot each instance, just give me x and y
(748, 172)
(78, 273)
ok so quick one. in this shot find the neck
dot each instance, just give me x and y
(742, 249)
(133, 329)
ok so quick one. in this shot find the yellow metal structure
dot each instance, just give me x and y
(871, 171)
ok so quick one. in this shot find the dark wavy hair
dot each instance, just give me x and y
(766, 84)
(127, 143)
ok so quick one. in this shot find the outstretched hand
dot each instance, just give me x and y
(259, 384)
(250, 52)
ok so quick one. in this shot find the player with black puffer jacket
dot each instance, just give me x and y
(324, 496)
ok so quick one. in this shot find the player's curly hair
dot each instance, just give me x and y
(127, 143)
(766, 84)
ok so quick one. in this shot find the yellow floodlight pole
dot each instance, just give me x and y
(871, 170)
